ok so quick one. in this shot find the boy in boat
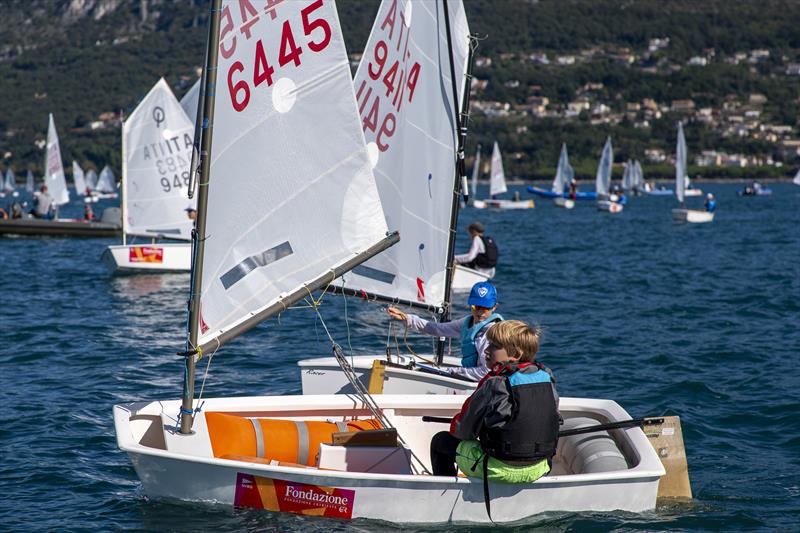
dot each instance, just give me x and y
(513, 413)
(483, 253)
(43, 204)
(471, 329)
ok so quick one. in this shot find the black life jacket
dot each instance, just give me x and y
(487, 259)
(532, 432)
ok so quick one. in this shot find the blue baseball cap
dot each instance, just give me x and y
(483, 294)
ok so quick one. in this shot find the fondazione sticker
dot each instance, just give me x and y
(285, 496)
(146, 254)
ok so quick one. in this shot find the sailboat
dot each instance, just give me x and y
(682, 214)
(57, 188)
(796, 179)
(10, 183)
(78, 179)
(189, 102)
(564, 176)
(29, 185)
(157, 143)
(260, 249)
(605, 202)
(91, 180)
(497, 185)
(476, 169)
(106, 187)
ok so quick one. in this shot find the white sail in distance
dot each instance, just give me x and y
(680, 164)
(10, 182)
(603, 177)
(497, 177)
(404, 93)
(106, 183)
(291, 192)
(29, 185)
(157, 145)
(78, 179)
(54, 168)
(91, 179)
(796, 179)
(564, 172)
(476, 169)
(190, 100)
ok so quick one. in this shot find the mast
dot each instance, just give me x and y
(460, 178)
(124, 198)
(206, 107)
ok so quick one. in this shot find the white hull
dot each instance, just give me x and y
(609, 206)
(692, 216)
(184, 467)
(324, 376)
(566, 203)
(104, 196)
(464, 278)
(692, 192)
(503, 204)
(160, 257)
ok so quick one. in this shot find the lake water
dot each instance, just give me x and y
(702, 321)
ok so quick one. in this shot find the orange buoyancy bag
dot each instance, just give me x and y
(291, 441)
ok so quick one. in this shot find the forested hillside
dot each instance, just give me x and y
(89, 60)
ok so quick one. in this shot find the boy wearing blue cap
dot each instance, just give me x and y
(471, 329)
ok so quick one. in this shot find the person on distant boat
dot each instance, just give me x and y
(16, 210)
(573, 189)
(483, 252)
(710, 203)
(508, 428)
(43, 204)
(516, 196)
(191, 213)
(88, 213)
(471, 329)
(3, 214)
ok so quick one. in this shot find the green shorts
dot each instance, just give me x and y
(469, 458)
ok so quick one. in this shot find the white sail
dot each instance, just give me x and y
(680, 164)
(10, 182)
(291, 191)
(29, 182)
(476, 169)
(796, 179)
(628, 175)
(415, 165)
(91, 179)
(638, 181)
(189, 102)
(603, 177)
(78, 178)
(157, 146)
(54, 168)
(564, 172)
(106, 183)
(497, 184)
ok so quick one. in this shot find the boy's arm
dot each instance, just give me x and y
(489, 406)
(474, 250)
(437, 329)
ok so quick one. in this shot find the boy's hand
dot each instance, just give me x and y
(396, 313)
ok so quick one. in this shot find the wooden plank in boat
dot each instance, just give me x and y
(367, 437)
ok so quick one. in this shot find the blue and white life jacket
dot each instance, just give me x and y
(469, 354)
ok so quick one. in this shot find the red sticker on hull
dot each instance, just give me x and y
(289, 497)
(145, 254)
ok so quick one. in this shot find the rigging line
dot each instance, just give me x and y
(365, 397)
(205, 375)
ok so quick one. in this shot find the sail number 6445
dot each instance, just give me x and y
(316, 29)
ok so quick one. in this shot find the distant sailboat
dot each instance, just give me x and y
(78, 179)
(106, 187)
(91, 180)
(29, 184)
(189, 102)
(497, 185)
(10, 183)
(564, 176)
(476, 168)
(603, 181)
(796, 179)
(682, 214)
(54, 168)
(155, 185)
